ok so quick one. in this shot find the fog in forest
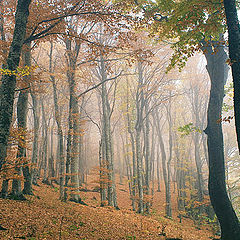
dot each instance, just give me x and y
(109, 113)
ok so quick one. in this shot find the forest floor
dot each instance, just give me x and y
(44, 216)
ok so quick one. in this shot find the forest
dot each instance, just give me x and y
(119, 119)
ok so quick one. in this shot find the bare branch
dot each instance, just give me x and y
(99, 84)
(22, 89)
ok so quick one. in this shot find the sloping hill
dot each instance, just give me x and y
(43, 216)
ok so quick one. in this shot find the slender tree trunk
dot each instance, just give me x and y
(107, 136)
(170, 132)
(59, 125)
(75, 141)
(107, 144)
(180, 177)
(44, 144)
(35, 146)
(196, 137)
(134, 164)
(81, 160)
(119, 161)
(130, 131)
(158, 170)
(22, 120)
(204, 143)
(152, 157)
(139, 171)
(138, 129)
(102, 172)
(81, 146)
(68, 157)
(128, 166)
(51, 171)
(147, 158)
(165, 169)
(199, 167)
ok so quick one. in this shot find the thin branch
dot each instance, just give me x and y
(21, 89)
(39, 35)
(60, 18)
(88, 61)
(114, 100)
(99, 84)
(91, 120)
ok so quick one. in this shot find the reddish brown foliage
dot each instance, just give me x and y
(43, 216)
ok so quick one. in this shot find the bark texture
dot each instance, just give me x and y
(139, 129)
(107, 136)
(218, 69)
(8, 85)
(234, 54)
(59, 124)
(22, 110)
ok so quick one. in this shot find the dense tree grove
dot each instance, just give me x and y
(133, 89)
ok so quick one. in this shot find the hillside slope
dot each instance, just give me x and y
(43, 216)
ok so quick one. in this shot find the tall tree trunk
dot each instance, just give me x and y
(199, 166)
(204, 143)
(2, 32)
(8, 82)
(59, 125)
(134, 185)
(102, 172)
(81, 160)
(152, 157)
(51, 170)
(107, 144)
(231, 13)
(170, 133)
(217, 69)
(196, 137)
(168, 189)
(22, 120)
(139, 170)
(130, 131)
(71, 58)
(4, 188)
(138, 129)
(44, 144)
(81, 145)
(128, 166)
(107, 136)
(158, 169)
(35, 102)
(180, 176)
(74, 111)
(22, 107)
(119, 161)
(147, 158)
(165, 169)
(69, 154)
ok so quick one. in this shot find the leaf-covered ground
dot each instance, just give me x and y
(43, 216)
